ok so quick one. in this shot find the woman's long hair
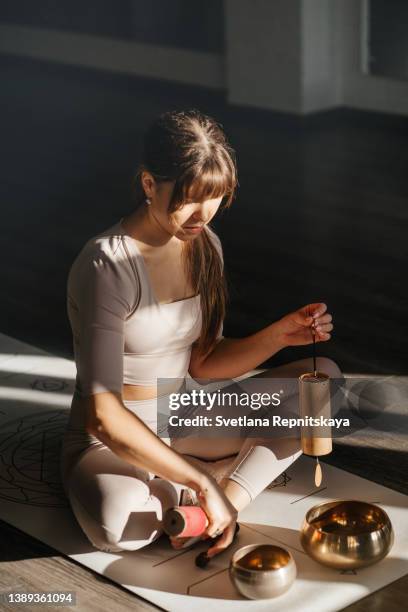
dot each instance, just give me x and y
(191, 149)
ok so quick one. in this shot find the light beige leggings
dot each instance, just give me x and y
(120, 506)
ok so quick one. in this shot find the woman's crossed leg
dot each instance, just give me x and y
(120, 506)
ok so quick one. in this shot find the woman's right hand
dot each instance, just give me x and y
(295, 328)
(221, 514)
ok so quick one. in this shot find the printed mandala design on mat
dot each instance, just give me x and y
(30, 448)
(281, 481)
(49, 385)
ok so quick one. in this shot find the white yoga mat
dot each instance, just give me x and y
(35, 396)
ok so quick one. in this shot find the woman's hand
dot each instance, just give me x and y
(295, 328)
(221, 514)
(239, 499)
(221, 517)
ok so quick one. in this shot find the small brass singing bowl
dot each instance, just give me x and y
(347, 534)
(262, 571)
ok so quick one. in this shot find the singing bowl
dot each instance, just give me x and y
(347, 534)
(262, 571)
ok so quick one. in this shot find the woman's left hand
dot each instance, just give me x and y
(295, 328)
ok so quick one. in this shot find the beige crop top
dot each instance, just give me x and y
(121, 334)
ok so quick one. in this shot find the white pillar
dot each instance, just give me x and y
(282, 54)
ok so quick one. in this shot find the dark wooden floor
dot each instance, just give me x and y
(28, 565)
(320, 215)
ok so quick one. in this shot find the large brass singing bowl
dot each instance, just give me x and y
(347, 534)
(262, 571)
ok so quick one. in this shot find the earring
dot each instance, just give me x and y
(148, 201)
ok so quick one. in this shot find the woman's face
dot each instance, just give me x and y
(190, 214)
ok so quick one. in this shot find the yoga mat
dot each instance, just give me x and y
(35, 396)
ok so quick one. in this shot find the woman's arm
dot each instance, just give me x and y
(232, 357)
(127, 436)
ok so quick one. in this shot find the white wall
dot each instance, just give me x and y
(303, 56)
(104, 53)
(321, 85)
(296, 56)
(282, 55)
(263, 62)
(361, 90)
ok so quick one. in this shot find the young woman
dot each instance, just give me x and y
(146, 299)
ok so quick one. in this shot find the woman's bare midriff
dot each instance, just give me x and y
(140, 392)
